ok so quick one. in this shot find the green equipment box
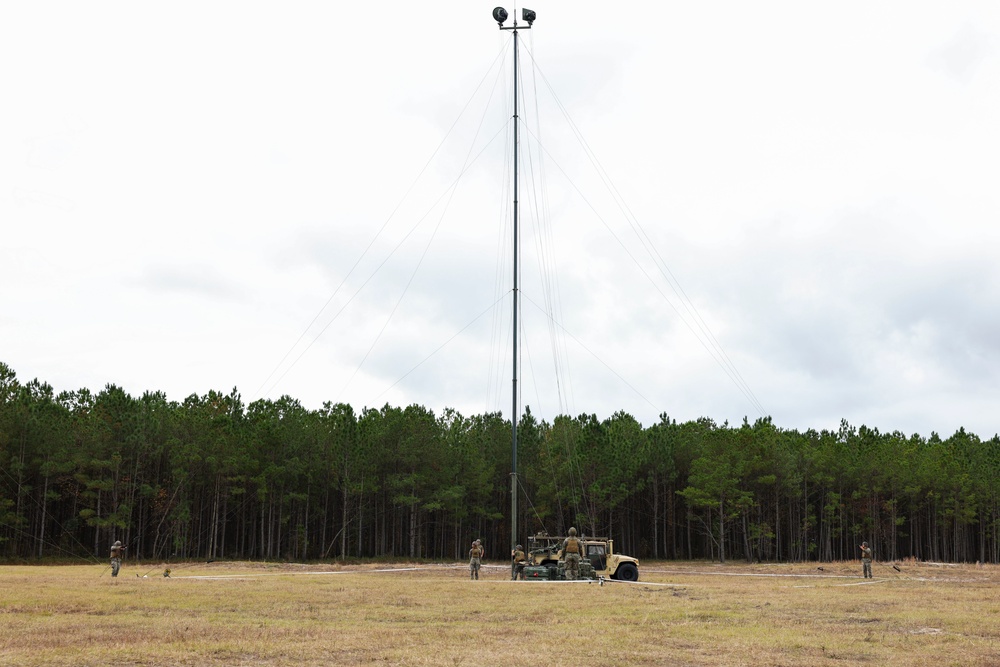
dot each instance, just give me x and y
(537, 572)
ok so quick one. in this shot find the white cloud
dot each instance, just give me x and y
(183, 188)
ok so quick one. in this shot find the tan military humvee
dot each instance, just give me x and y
(599, 558)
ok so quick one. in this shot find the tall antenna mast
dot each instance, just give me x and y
(500, 15)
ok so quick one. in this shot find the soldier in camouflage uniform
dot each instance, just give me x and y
(475, 559)
(517, 563)
(866, 560)
(572, 551)
(117, 551)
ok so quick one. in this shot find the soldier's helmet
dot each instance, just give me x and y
(518, 547)
(572, 531)
(117, 543)
(864, 544)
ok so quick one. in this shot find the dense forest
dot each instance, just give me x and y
(210, 477)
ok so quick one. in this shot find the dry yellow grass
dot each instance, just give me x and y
(688, 614)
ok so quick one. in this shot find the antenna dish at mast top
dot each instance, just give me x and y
(499, 15)
(528, 15)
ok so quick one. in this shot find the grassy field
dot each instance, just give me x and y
(679, 614)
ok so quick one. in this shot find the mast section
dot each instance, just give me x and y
(500, 15)
(515, 413)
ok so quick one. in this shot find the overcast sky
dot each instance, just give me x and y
(199, 196)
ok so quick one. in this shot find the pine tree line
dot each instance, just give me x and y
(210, 477)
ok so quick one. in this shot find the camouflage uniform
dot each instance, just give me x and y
(517, 563)
(866, 560)
(572, 549)
(117, 551)
(475, 559)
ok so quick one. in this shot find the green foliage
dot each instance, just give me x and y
(214, 478)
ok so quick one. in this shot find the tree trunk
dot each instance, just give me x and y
(722, 531)
(343, 521)
(777, 524)
(656, 518)
(41, 522)
(413, 530)
(746, 539)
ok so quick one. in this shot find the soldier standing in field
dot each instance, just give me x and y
(475, 559)
(866, 560)
(117, 552)
(572, 550)
(517, 563)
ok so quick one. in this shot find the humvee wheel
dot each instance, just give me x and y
(627, 572)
